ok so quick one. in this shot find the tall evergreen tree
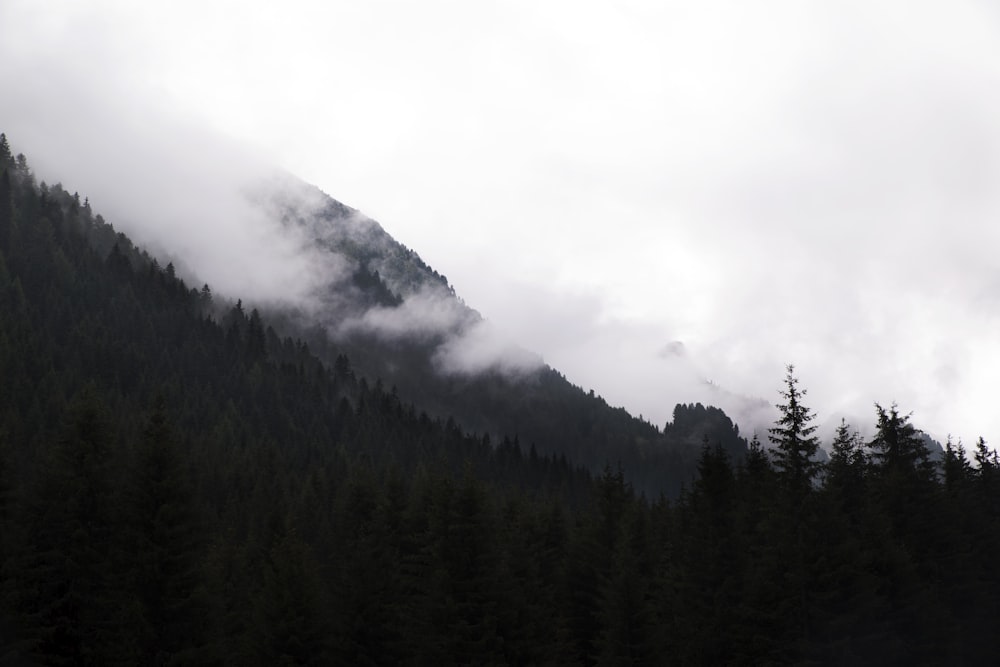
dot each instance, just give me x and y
(795, 445)
(292, 619)
(988, 476)
(897, 447)
(955, 467)
(168, 548)
(795, 452)
(67, 594)
(905, 490)
(256, 344)
(986, 461)
(6, 210)
(6, 159)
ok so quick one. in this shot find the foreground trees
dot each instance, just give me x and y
(179, 490)
(795, 446)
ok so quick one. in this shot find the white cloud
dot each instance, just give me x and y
(766, 184)
(482, 348)
(429, 313)
(463, 342)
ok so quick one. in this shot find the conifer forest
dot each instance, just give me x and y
(189, 480)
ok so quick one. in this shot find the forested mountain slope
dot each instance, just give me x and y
(183, 487)
(399, 320)
(154, 461)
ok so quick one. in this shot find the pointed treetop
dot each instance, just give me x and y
(898, 447)
(5, 156)
(986, 460)
(795, 445)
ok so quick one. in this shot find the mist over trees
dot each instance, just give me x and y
(182, 482)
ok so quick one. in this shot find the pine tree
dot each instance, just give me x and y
(6, 211)
(205, 299)
(66, 589)
(794, 542)
(988, 477)
(905, 491)
(986, 461)
(168, 547)
(897, 448)
(366, 582)
(6, 159)
(706, 579)
(6, 527)
(626, 636)
(795, 445)
(292, 625)
(955, 467)
(469, 554)
(256, 342)
(844, 482)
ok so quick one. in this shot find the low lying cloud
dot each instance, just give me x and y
(813, 185)
(426, 314)
(173, 187)
(464, 342)
(339, 241)
(481, 347)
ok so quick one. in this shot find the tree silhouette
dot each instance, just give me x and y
(795, 445)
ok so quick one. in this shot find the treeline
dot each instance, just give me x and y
(541, 405)
(181, 485)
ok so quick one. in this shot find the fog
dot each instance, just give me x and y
(667, 201)
(466, 344)
(171, 186)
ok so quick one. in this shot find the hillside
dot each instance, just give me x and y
(182, 484)
(170, 455)
(399, 321)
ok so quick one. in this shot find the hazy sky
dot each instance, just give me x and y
(649, 194)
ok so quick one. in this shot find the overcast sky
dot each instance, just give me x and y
(649, 194)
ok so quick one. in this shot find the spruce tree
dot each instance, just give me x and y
(795, 460)
(986, 460)
(6, 159)
(897, 448)
(292, 626)
(6, 211)
(955, 467)
(795, 445)
(66, 592)
(168, 546)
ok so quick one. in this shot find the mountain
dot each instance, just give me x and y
(373, 302)
(182, 477)
(399, 320)
(180, 484)
(182, 481)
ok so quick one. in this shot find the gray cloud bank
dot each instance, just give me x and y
(222, 213)
(662, 198)
(336, 241)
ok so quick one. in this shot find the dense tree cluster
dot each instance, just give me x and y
(180, 484)
(538, 404)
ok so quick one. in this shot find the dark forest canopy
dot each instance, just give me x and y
(183, 487)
